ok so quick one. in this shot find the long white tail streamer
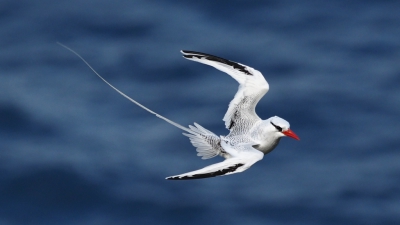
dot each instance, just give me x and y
(126, 96)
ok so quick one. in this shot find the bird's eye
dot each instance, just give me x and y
(277, 127)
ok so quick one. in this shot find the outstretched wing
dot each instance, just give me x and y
(219, 169)
(241, 114)
(243, 156)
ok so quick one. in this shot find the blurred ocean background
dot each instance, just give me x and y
(73, 151)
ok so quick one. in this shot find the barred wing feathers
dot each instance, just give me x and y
(241, 115)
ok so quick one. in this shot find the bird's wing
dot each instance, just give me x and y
(241, 114)
(218, 169)
(243, 156)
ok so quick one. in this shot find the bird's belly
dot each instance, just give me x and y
(267, 147)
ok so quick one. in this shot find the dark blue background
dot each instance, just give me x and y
(73, 151)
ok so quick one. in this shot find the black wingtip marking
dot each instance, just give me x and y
(207, 175)
(200, 55)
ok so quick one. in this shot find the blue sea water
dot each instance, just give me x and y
(73, 151)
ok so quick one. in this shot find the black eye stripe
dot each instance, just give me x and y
(277, 127)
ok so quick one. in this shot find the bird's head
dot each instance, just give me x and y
(282, 127)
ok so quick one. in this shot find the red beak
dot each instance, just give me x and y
(291, 134)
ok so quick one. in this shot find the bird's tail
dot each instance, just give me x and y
(208, 145)
(127, 97)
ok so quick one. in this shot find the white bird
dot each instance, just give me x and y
(249, 138)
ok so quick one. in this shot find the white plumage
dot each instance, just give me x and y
(249, 138)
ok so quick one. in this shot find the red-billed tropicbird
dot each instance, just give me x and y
(249, 138)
